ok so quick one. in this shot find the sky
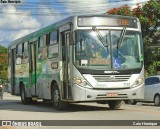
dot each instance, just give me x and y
(22, 17)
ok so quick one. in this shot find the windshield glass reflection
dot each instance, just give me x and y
(91, 53)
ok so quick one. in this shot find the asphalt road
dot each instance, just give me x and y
(12, 109)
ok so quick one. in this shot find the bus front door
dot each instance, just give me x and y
(66, 65)
(32, 68)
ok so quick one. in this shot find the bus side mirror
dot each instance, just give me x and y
(71, 39)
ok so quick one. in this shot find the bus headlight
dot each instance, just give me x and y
(139, 81)
(80, 81)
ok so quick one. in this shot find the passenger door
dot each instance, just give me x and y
(32, 68)
(66, 64)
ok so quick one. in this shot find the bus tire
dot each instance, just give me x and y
(2, 96)
(114, 104)
(56, 99)
(157, 100)
(24, 99)
(1, 93)
(132, 102)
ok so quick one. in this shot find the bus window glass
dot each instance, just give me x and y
(128, 53)
(90, 52)
(42, 41)
(54, 37)
(19, 49)
(25, 46)
(25, 52)
(42, 51)
(53, 48)
(102, 50)
(19, 54)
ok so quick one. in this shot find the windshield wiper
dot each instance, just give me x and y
(123, 32)
(100, 37)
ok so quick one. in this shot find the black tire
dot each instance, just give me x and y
(56, 98)
(132, 102)
(114, 104)
(2, 96)
(126, 102)
(24, 99)
(1, 93)
(157, 100)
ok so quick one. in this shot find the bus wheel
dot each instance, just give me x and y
(157, 100)
(56, 99)
(114, 104)
(2, 96)
(132, 102)
(24, 99)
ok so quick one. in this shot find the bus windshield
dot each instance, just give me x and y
(91, 53)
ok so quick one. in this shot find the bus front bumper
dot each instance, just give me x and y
(86, 94)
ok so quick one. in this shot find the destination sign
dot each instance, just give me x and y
(107, 21)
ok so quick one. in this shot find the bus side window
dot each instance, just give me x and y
(19, 54)
(53, 47)
(25, 53)
(42, 49)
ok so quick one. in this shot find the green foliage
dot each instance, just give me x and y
(3, 50)
(3, 74)
(152, 52)
(149, 16)
(3, 62)
(153, 67)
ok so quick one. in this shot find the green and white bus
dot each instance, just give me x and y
(86, 58)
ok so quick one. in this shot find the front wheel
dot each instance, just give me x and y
(132, 102)
(56, 99)
(157, 100)
(114, 104)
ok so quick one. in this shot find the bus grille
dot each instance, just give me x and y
(111, 78)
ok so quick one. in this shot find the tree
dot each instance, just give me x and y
(3, 62)
(3, 50)
(149, 16)
(123, 10)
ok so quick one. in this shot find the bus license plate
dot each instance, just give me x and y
(112, 94)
